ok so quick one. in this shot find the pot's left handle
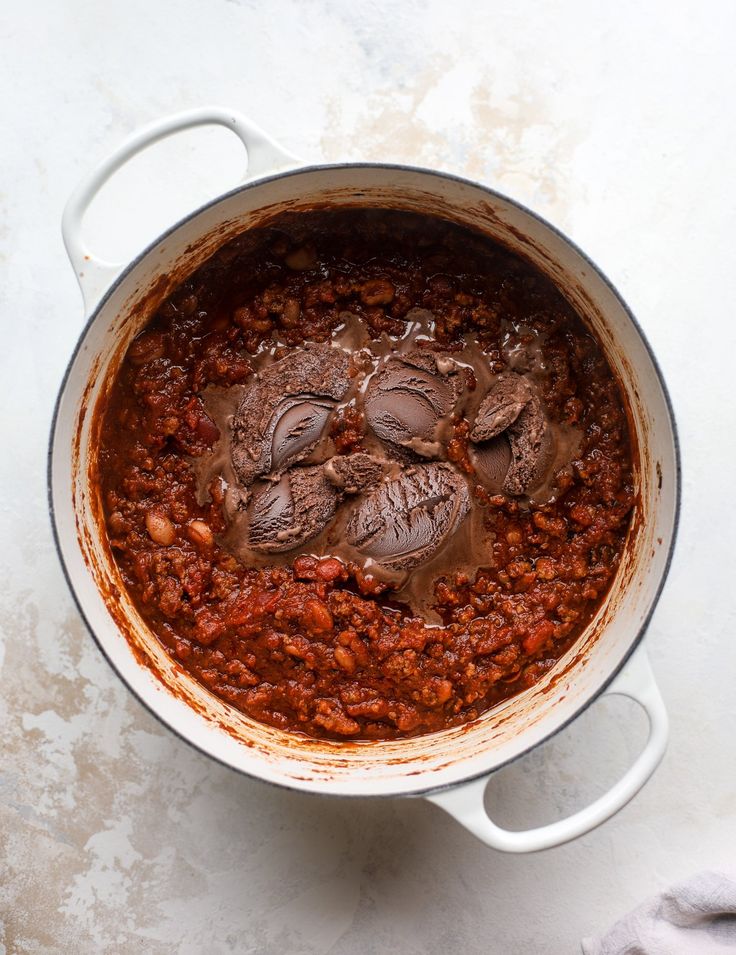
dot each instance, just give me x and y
(466, 804)
(94, 274)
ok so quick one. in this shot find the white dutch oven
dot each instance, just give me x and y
(450, 768)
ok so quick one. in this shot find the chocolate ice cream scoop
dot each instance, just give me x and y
(283, 414)
(512, 406)
(408, 398)
(506, 399)
(491, 461)
(287, 513)
(298, 424)
(407, 519)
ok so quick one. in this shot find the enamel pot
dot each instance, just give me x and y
(450, 768)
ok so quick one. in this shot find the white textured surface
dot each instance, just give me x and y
(615, 121)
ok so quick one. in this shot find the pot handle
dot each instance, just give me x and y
(94, 274)
(465, 802)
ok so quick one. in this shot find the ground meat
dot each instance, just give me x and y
(312, 645)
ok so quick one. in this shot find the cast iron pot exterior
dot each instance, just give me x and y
(120, 300)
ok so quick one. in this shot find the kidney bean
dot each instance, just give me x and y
(160, 528)
(200, 533)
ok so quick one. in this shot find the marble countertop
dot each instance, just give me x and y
(614, 121)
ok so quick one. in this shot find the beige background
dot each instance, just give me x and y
(616, 121)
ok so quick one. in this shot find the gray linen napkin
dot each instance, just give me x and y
(696, 917)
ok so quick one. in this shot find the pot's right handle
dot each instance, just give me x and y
(94, 274)
(465, 802)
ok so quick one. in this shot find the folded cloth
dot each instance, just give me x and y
(696, 917)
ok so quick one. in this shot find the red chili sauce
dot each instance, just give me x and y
(307, 642)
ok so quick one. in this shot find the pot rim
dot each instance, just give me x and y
(438, 174)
